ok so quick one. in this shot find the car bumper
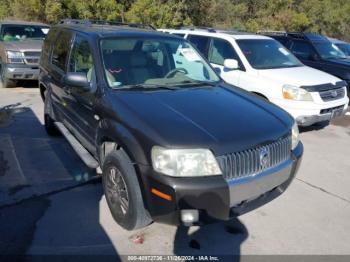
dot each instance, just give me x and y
(21, 72)
(309, 113)
(214, 198)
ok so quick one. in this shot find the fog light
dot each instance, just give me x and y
(189, 216)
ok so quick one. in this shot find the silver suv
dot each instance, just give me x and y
(20, 50)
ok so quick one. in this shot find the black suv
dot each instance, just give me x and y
(174, 143)
(316, 51)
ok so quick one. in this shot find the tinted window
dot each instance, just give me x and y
(61, 49)
(267, 54)
(221, 50)
(49, 40)
(22, 32)
(81, 57)
(327, 50)
(302, 49)
(345, 48)
(200, 42)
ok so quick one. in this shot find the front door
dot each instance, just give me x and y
(82, 102)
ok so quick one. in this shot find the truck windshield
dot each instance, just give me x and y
(154, 62)
(345, 48)
(327, 50)
(267, 54)
(21, 32)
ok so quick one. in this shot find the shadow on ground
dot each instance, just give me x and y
(222, 239)
(33, 163)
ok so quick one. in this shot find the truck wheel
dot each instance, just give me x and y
(122, 191)
(6, 83)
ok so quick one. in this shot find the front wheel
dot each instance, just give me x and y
(122, 191)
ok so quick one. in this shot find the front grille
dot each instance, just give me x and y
(32, 60)
(32, 53)
(253, 161)
(32, 57)
(332, 94)
(330, 110)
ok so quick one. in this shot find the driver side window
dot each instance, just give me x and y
(221, 50)
(302, 50)
(81, 58)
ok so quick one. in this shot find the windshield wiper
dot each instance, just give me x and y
(145, 87)
(195, 82)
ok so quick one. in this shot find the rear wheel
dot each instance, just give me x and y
(122, 191)
(50, 126)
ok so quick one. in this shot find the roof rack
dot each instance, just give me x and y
(89, 22)
(271, 32)
(200, 28)
(233, 32)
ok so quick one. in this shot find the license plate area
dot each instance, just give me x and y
(337, 113)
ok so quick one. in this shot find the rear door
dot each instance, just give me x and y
(219, 50)
(57, 70)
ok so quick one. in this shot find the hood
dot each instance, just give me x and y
(224, 119)
(298, 76)
(32, 45)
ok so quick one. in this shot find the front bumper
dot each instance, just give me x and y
(214, 197)
(308, 113)
(21, 71)
(308, 120)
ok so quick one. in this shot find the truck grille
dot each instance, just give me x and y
(332, 94)
(32, 53)
(253, 161)
(32, 57)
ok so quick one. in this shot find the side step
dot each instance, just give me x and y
(87, 158)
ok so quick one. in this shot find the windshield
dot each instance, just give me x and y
(153, 62)
(327, 50)
(267, 54)
(345, 48)
(21, 32)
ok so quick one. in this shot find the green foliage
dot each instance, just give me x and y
(329, 17)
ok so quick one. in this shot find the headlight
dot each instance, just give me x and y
(296, 93)
(15, 57)
(295, 136)
(184, 162)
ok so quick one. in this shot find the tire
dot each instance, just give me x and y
(122, 191)
(5, 82)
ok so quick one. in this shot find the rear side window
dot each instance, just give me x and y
(47, 46)
(61, 49)
(302, 49)
(200, 42)
(221, 50)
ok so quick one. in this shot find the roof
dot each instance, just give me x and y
(296, 35)
(105, 28)
(21, 22)
(216, 33)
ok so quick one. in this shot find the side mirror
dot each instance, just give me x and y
(231, 64)
(77, 80)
